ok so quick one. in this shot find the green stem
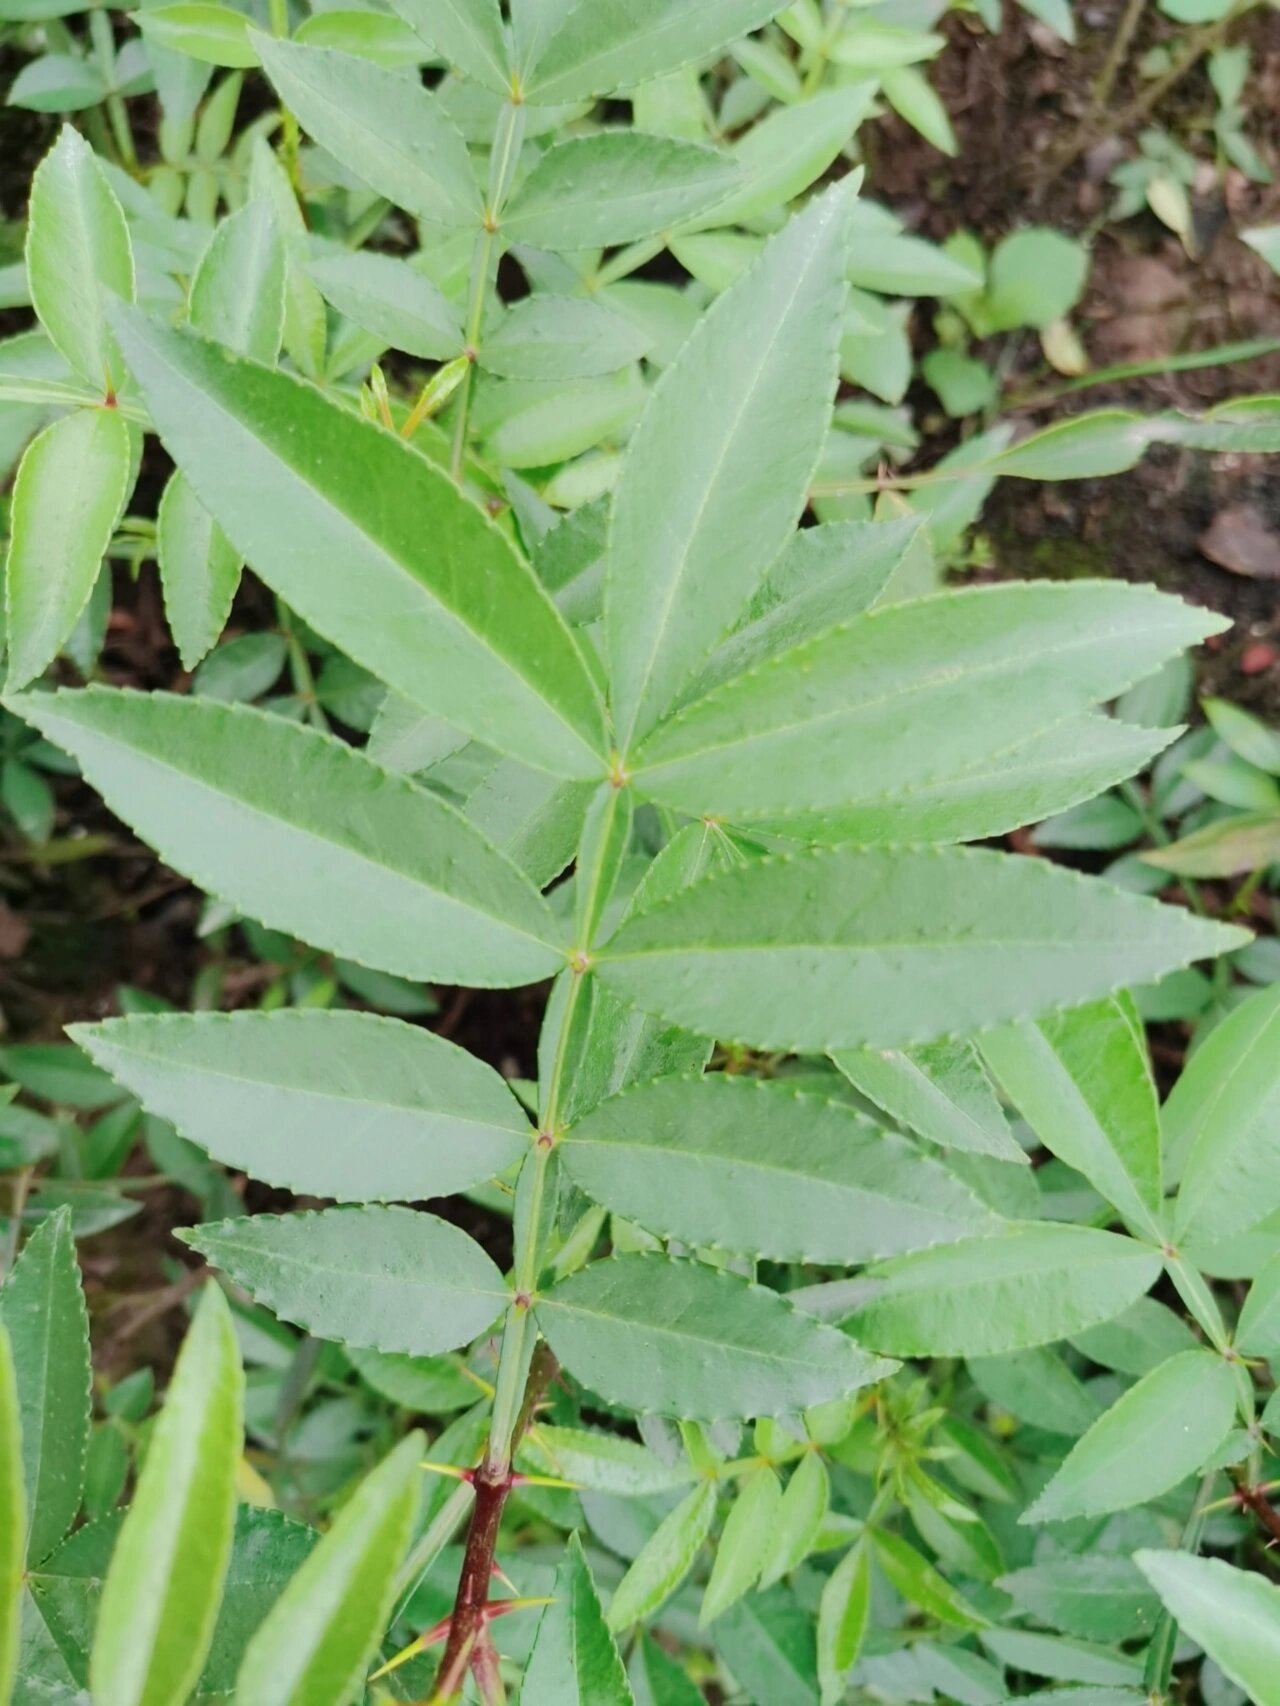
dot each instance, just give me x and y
(508, 137)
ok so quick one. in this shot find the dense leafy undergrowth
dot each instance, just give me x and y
(855, 1302)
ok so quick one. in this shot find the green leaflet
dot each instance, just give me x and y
(316, 498)
(237, 294)
(160, 1599)
(296, 829)
(767, 1641)
(597, 46)
(212, 34)
(1154, 1435)
(1033, 1283)
(603, 1462)
(1222, 1124)
(681, 1339)
(1137, 1341)
(940, 1091)
(574, 1661)
(384, 127)
(822, 577)
(77, 243)
(561, 337)
(238, 298)
(665, 1559)
(1058, 768)
(305, 330)
(1095, 1597)
(752, 1166)
(1233, 1614)
(843, 1613)
(199, 570)
(1037, 1387)
(388, 1279)
(313, 1648)
(706, 462)
(908, 694)
(42, 1308)
(467, 33)
(850, 947)
(920, 1584)
(13, 1517)
(800, 1516)
(1083, 1082)
(69, 494)
(789, 150)
(392, 299)
(343, 1105)
(658, 1680)
(1258, 1330)
(1066, 1660)
(266, 1550)
(614, 187)
(744, 1544)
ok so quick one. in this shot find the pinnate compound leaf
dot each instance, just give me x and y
(853, 947)
(615, 187)
(383, 126)
(42, 1308)
(665, 1559)
(910, 693)
(574, 1661)
(70, 491)
(1154, 1435)
(160, 1599)
(1031, 1284)
(326, 1104)
(13, 1517)
(1233, 1614)
(466, 33)
(680, 1339)
(1083, 1083)
(319, 500)
(752, 1166)
(940, 1091)
(314, 1646)
(1222, 1124)
(744, 1544)
(712, 487)
(602, 45)
(386, 1279)
(77, 244)
(393, 300)
(302, 832)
